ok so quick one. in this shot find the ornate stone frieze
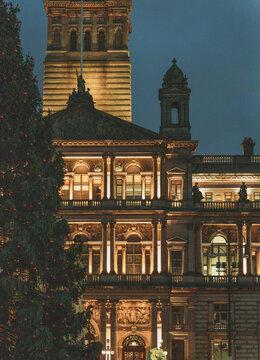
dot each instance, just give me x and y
(209, 231)
(133, 313)
(124, 230)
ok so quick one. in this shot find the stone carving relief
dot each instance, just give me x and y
(133, 313)
(123, 230)
(93, 231)
(95, 310)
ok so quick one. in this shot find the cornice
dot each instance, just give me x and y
(78, 143)
(94, 5)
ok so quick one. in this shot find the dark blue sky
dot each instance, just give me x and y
(217, 45)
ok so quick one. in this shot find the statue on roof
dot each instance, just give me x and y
(81, 96)
(243, 193)
(196, 194)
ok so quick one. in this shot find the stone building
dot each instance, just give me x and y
(162, 226)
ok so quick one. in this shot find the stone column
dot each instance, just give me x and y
(104, 246)
(105, 176)
(248, 247)
(154, 324)
(112, 247)
(198, 249)
(90, 188)
(71, 186)
(90, 261)
(143, 260)
(123, 189)
(103, 322)
(258, 262)
(155, 179)
(113, 322)
(240, 248)
(155, 247)
(165, 316)
(112, 196)
(124, 259)
(143, 187)
(164, 249)
(163, 176)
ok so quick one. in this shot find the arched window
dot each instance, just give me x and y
(133, 255)
(118, 43)
(133, 348)
(73, 41)
(101, 41)
(56, 39)
(218, 255)
(81, 183)
(87, 43)
(133, 183)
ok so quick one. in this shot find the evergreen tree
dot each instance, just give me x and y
(41, 281)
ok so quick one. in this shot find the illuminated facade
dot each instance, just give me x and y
(161, 228)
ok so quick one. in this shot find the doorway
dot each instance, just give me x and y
(133, 348)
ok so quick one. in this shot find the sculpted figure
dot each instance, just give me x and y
(243, 193)
(196, 194)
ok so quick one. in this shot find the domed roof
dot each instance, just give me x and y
(174, 77)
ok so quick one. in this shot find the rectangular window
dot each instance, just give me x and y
(97, 188)
(119, 262)
(257, 196)
(220, 350)
(96, 261)
(220, 316)
(228, 196)
(176, 262)
(254, 264)
(147, 262)
(175, 190)
(81, 187)
(205, 261)
(177, 317)
(148, 188)
(119, 189)
(208, 196)
(133, 187)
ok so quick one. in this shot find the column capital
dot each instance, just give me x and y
(163, 223)
(112, 222)
(105, 155)
(248, 223)
(155, 222)
(104, 222)
(240, 224)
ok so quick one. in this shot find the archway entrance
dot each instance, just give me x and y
(133, 348)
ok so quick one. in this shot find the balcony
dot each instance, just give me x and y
(171, 280)
(182, 205)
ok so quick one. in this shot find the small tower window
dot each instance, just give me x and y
(175, 114)
(56, 39)
(73, 41)
(87, 46)
(118, 40)
(101, 41)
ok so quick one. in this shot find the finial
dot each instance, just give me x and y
(174, 61)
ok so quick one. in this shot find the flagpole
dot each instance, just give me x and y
(81, 40)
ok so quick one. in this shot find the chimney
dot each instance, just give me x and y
(248, 146)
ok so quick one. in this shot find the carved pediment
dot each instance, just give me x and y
(176, 240)
(176, 171)
(80, 122)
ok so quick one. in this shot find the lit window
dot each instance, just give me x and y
(81, 187)
(228, 196)
(257, 196)
(147, 262)
(178, 317)
(175, 190)
(148, 188)
(65, 190)
(119, 262)
(208, 196)
(133, 256)
(176, 262)
(133, 187)
(119, 189)
(220, 316)
(96, 262)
